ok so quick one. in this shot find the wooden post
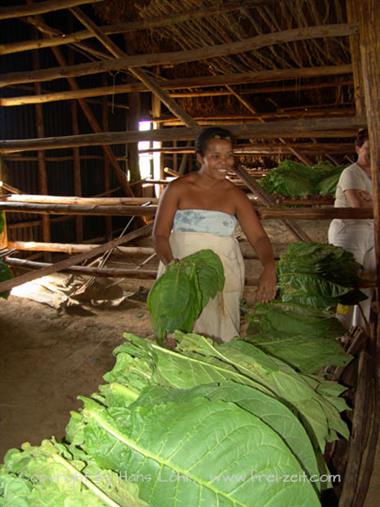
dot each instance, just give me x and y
(366, 423)
(132, 123)
(106, 167)
(42, 172)
(353, 9)
(76, 170)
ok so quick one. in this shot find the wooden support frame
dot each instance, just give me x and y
(300, 128)
(264, 76)
(74, 260)
(177, 57)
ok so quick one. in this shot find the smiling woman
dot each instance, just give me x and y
(200, 210)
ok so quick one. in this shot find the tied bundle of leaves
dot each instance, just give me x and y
(294, 179)
(178, 297)
(318, 275)
(303, 337)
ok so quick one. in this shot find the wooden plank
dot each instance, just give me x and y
(263, 76)
(143, 274)
(300, 128)
(76, 259)
(353, 8)
(85, 201)
(265, 213)
(21, 11)
(74, 248)
(177, 57)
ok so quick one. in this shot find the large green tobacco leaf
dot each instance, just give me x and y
(51, 476)
(304, 337)
(318, 414)
(178, 297)
(271, 411)
(2, 221)
(196, 452)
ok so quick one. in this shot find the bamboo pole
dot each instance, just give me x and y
(177, 57)
(20, 11)
(74, 260)
(300, 128)
(263, 76)
(37, 223)
(265, 213)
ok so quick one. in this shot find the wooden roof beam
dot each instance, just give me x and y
(176, 57)
(318, 127)
(194, 82)
(20, 11)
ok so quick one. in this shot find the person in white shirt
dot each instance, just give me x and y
(354, 190)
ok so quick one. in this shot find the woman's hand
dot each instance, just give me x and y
(266, 290)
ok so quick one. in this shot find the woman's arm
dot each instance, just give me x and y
(163, 223)
(358, 198)
(259, 240)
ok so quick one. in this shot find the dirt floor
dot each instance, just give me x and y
(48, 357)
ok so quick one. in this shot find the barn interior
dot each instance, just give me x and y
(100, 103)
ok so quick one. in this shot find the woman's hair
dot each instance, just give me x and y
(361, 137)
(210, 133)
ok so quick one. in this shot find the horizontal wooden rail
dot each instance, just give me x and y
(326, 213)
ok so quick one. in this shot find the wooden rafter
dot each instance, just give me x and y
(319, 127)
(176, 57)
(195, 82)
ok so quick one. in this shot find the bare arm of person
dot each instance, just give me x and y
(163, 222)
(259, 240)
(358, 198)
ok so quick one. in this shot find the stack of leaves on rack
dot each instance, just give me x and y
(203, 425)
(297, 180)
(302, 329)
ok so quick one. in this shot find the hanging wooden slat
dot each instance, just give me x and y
(20, 11)
(74, 260)
(194, 82)
(177, 57)
(319, 127)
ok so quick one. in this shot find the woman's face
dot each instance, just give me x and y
(217, 159)
(364, 155)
